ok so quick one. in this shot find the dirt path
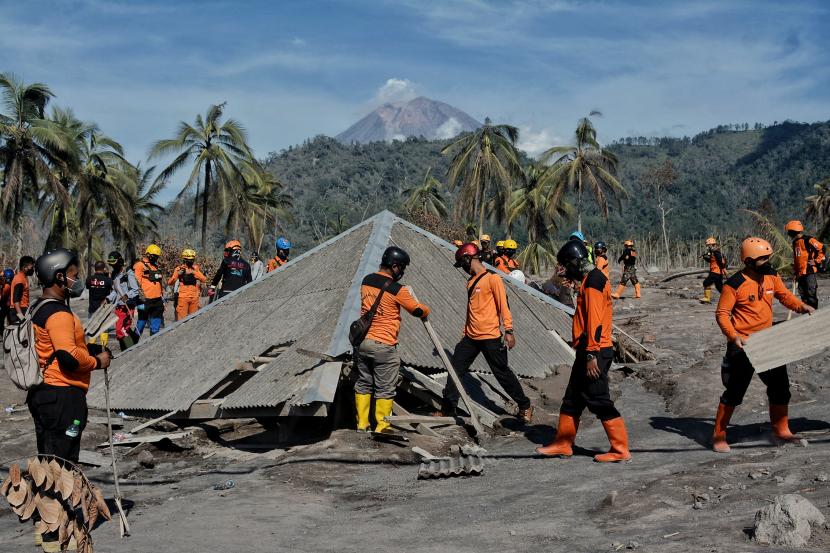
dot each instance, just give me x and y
(344, 494)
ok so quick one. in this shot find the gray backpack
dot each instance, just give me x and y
(21, 359)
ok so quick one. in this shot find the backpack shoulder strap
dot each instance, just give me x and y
(472, 287)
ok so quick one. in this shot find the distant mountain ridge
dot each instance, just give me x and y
(420, 117)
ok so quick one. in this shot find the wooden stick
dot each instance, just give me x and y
(122, 517)
(685, 273)
(151, 422)
(456, 380)
(790, 314)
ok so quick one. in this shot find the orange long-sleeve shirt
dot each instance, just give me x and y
(59, 332)
(387, 322)
(149, 277)
(745, 304)
(189, 281)
(487, 309)
(20, 291)
(603, 265)
(806, 249)
(592, 322)
(275, 263)
(506, 264)
(717, 262)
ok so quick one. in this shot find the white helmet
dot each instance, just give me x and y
(518, 275)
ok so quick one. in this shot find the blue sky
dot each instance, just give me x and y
(291, 69)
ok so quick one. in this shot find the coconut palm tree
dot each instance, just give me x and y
(32, 147)
(215, 148)
(427, 196)
(818, 208)
(584, 164)
(532, 204)
(485, 164)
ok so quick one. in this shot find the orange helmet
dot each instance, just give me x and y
(711, 241)
(753, 248)
(794, 226)
(233, 245)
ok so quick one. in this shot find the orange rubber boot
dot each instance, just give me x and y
(719, 444)
(562, 445)
(620, 288)
(637, 290)
(618, 437)
(778, 416)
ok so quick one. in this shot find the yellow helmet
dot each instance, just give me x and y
(189, 254)
(152, 249)
(711, 241)
(500, 244)
(485, 237)
(477, 243)
(510, 245)
(457, 243)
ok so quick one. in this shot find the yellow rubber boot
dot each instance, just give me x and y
(383, 409)
(363, 402)
(616, 295)
(637, 291)
(707, 296)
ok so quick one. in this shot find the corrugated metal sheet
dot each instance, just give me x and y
(766, 349)
(179, 365)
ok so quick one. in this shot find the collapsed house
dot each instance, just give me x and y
(279, 346)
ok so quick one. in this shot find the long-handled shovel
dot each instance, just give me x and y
(122, 516)
(456, 380)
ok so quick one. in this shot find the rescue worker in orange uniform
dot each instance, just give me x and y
(5, 294)
(745, 307)
(629, 261)
(19, 298)
(190, 277)
(488, 330)
(601, 258)
(808, 256)
(67, 361)
(149, 277)
(505, 262)
(499, 250)
(457, 243)
(588, 383)
(717, 269)
(378, 362)
(283, 253)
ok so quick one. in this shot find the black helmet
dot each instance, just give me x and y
(115, 258)
(573, 256)
(394, 256)
(600, 246)
(53, 262)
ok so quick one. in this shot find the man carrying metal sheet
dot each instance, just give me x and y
(487, 314)
(378, 362)
(745, 307)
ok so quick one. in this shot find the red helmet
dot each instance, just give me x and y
(466, 250)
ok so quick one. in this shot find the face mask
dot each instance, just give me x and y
(467, 265)
(576, 269)
(188, 262)
(397, 273)
(153, 259)
(282, 254)
(236, 254)
(29, 272)
(765, 269)
(76, 289)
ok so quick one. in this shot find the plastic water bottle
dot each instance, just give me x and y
(74, 429)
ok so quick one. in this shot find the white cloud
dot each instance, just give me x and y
(395, 91)
(448, 129)
(535, 142)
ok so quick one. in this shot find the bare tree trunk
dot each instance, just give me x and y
(579, 203)
(665, 234)
(205, 206)
(196, 204)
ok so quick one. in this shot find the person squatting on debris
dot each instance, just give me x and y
(487, 314)
(378, 362)
(283, 253)
(151, 281)
(601, 259)
(60, 400)
(125, 294)
(234, 272)
(745, 307)
(629, 261)
(19, 298)
(257, 267)
(717, 269)
(588, 383)
(99, 285)
(505, 262)
(189, 276)
(808, 256)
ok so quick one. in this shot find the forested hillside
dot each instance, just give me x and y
(719, 172)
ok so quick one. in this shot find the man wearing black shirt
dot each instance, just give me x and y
(99, 285)
(234, 272)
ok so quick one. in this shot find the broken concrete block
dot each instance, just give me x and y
(787, 522)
